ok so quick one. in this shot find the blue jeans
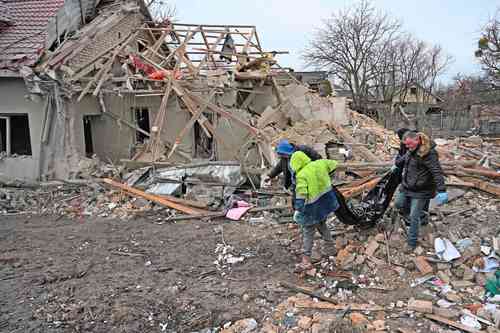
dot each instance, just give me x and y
(414, 208)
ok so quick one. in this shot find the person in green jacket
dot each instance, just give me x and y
(315, 200)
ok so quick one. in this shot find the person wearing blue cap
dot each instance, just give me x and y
(285, 149)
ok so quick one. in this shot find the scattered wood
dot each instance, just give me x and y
(190, 124)
(219, 214)
(154, 198)
(479, 185)
(297, 289)
(387, 247)
(311, 304)
(451, 323)
(352, 192)
(186, 202)
(462, 211)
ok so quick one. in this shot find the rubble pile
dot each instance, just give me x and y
(72, 201)
(372, 286)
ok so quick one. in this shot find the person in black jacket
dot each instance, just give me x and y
(285, 149)
(422, 179)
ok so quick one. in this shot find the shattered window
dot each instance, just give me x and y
(141, 116)
(15, 135)
(3, 135)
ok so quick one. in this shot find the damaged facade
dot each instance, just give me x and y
(103, 80)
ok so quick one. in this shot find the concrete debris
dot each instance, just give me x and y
(173, 121)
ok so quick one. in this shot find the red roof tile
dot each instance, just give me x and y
(23, 39)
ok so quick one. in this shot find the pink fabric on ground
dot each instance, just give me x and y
(235, 214)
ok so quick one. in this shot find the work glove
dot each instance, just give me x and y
(298, 217)
(442, 198)
(299, 205)
(394, 168)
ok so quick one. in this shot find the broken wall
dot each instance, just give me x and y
(113, 139)
(16, 99)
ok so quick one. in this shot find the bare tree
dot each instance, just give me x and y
(368, 53)
(488, 51)
(434, 62)
(347, 45)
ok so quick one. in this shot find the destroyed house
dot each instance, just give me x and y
(103, 80)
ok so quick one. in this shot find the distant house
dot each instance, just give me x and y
(340, 91)
(416, 94)
(315, 80)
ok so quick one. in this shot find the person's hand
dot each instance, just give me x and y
(394, 168)
(442, 198)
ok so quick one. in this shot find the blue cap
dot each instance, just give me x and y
(285, 148)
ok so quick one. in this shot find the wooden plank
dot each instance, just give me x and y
(154, 198)
(386, 165)
(102, 54)
(310, 304)
(191, 106)
(210, 49)
(254, 131)
(298, 289)
(107, 67)
(154, 143)
(352, 192)
(247, 44)
(118, 118)
(205, 40)
(190, 124)
(219, 215)
(185, 201)
(213, 25)
(483, 186)
(450, 323)
(484, 172)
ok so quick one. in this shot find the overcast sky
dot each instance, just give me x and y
(286, 25)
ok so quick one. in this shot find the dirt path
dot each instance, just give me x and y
(73, 276)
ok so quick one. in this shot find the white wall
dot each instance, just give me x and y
(14, 99)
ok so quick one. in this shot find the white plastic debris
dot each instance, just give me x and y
(442, 303)
(486, 250)
(445, 249)
(233, 260)
(470, 322)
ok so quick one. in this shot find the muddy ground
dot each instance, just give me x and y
(76, 276)
(149, 275)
